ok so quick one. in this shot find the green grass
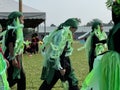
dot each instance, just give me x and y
(33, 65)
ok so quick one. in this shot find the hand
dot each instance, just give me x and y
(62, 72)
(15, 63)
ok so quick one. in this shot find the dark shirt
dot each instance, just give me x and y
(95, 41)
(115, 18)
(10, 37)
(116, 41)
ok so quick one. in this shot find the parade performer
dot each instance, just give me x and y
(105, 74)
(56, 49)
(95, 43)
(3, 67)
(13, 47)
(3, 77)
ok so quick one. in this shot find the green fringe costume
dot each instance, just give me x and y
(56, 44)
(19, 43)
(14, 35)
(3, 78)
(3, 66)
(54, 50)
(105, 74)
(95, 43)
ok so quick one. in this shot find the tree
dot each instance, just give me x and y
(52, 25)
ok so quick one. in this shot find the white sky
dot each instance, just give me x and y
(57, 11)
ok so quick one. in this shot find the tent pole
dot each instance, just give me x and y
(20, 5)
(45, 28)
(38, 30)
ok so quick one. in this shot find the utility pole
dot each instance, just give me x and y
(20, 5)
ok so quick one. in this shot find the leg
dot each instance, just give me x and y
(73, 82)
(69, 75)
(10, 77)
(91, 61)
(46, 86)
(21, 84)
(37, 47)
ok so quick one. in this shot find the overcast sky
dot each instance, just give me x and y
(57, 11)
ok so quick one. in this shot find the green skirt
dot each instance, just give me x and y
(105, 74)
(3, 82)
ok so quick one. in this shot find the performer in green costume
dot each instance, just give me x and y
(3, 67)
(3, 77)
(95, 43)
(56, 49)
(13, 48)
(106, 72)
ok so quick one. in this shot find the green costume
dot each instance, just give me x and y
(3, 66)
(95, 43)
(3, 78)
(55, 46)
(101, 35)
(54, 49)
(16, 29)
(14, 37)
(105, 74)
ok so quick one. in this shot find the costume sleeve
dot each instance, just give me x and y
(58, 44)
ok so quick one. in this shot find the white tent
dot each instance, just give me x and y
(33, 17)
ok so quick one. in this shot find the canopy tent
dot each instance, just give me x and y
(33, 17)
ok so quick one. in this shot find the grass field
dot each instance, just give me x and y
(33, 65)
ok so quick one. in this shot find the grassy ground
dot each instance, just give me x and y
(33, 65)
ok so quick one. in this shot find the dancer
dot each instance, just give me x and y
(96, 43)
(4, 64)
(56, 49)
(13, 48)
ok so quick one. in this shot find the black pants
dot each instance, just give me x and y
(57, 76)
(91, 64)
(21, 83)
(91, 61)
